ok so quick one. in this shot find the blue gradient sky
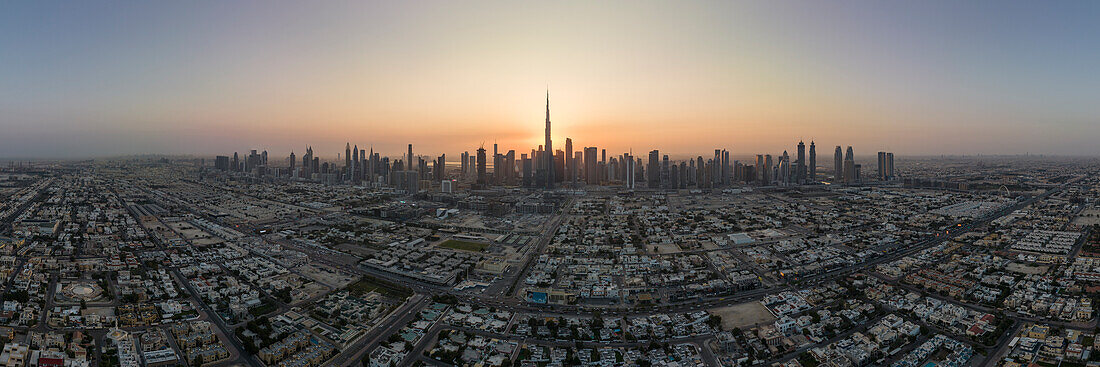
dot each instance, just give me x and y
(915, 77)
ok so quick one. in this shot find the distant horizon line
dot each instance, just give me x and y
(643, 155)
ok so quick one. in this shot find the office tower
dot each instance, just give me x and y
(570, 171)
(579, 165)
(715, 173)
(738, 171)
(549, 147)
(508, 167)
(307, 162)
(356, 162)
(857, 174)
(889, 166)
(411, 182)
(849, 173)
(614, 169)
(628, 178)
(760, 168)
(498, 166)
(700, 172)
(528, 180)
(253, 160)
(664, 172)
(263, 158)
(769, 170)
(409, 160)
(683, 175)
(539, 161)
(813, 163)
(292, 161)
(236, 162)
(440, 169)
(785, 169)
(725, 179)
(481, 179)
(673, 176)
(421, 168)
(396, 174)
(498, 175)
(375, 165)
(559, 165)
(464, 165)
(473, 166)
(221, 163)
(446, 186)
(347, 157)
(838, 165)
(574, 170)
(591, 166)
(691, 172)
(800, 167)
(653, 170)
(881, 166)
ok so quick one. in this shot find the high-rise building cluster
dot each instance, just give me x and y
(549, 168)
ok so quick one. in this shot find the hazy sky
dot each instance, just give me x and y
(81, 78)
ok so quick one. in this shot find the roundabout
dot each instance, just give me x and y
(81, 291)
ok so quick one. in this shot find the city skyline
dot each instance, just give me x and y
(345, 183)
(95, 80)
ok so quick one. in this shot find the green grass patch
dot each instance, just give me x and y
(464, 245)
(368, 284)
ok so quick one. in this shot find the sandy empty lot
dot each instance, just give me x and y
(1088, 217)
(666, 248)
(325, 275)
(1026, 269)
(743, 316)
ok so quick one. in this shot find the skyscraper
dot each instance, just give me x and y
(481, 179)
(813, 164)
(347, 157)
(570, 164)
(800, 167)
(591, 166)
(221, 163)
(664, 172)
(528, 179)
(628, 160)
(849, 175)
(653, 170)
(354, 174)
(889, 166)
(439, 167)
(784, 175)
(549, 148)
(409, 161)
(465, 164)
(760, 169)
(769, 170)
(838, 165)
(725, 168)
(881, 166)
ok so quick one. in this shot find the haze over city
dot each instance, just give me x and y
(851, 183)
(95, 79)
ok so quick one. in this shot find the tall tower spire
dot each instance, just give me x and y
(549, 152)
